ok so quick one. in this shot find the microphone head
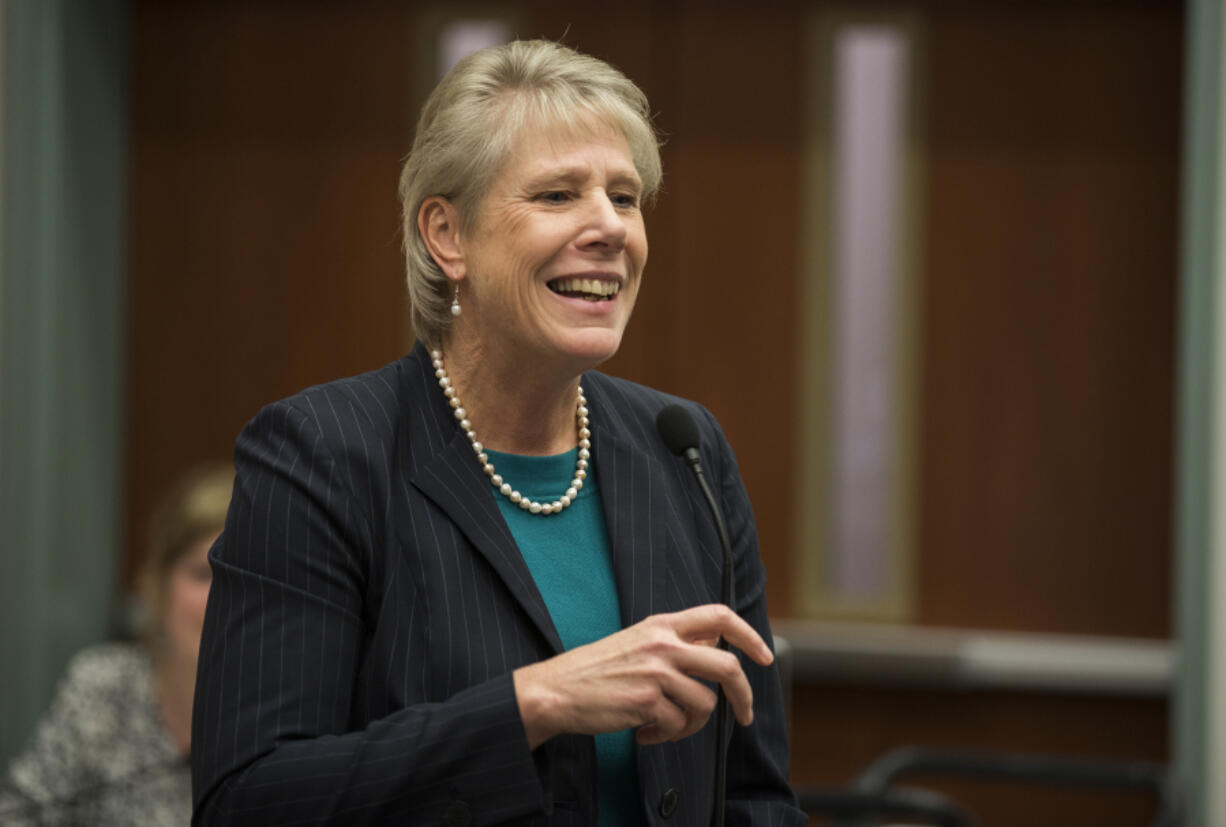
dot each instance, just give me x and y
(678, 429)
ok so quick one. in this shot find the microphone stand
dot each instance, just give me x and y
(680, 433)
(721, 707)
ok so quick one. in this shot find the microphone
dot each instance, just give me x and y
(680, 433)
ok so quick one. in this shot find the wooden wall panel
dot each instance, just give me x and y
(265, 234)
(1052, 267)
(734, 191)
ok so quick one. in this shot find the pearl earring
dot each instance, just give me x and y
(455, 302)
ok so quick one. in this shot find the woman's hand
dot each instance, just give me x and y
(643, 676)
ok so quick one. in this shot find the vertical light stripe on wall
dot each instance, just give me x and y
(871, 67)
(1199, 747)
(63, 273)
(859, 325)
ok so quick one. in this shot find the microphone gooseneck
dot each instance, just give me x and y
(680, 433)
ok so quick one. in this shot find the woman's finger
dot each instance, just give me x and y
(695, 700)
(666, 719)
(725, 669)
(716, 620)
(682, 709)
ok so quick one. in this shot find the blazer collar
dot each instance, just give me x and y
(445, 470)
(629, 474)
(632, 490)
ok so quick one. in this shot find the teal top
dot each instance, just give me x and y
(570, 560)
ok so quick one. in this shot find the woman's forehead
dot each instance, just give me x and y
(563, 148)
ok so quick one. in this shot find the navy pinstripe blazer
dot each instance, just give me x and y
(369, 604)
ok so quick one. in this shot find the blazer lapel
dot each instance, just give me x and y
(635, 513)
(449, 475)
(646, 536)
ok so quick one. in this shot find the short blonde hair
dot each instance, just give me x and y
(468, 126)
(194, 509)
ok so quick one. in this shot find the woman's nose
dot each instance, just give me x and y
(607, 226)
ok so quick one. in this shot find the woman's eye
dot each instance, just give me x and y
(554, 197)
(625, 200)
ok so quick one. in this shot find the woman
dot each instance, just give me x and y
(495, 610)
(113, 748)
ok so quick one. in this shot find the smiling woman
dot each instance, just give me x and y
(561, 218)
(399, 631)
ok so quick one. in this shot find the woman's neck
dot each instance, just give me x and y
(512, 409)
(175, 684)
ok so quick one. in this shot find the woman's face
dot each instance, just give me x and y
(555, 257)
(187, 592)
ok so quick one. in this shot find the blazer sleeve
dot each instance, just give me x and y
(272, 738)
(758, 792)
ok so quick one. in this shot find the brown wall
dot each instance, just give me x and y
(1046, 473)
(265, 153)
(264, 249)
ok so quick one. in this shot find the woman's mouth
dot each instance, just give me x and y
(592, 290)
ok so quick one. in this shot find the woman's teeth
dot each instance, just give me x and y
(589, 289)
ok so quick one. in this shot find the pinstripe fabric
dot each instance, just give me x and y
(369, 604)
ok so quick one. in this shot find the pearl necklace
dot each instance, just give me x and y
(503, 487)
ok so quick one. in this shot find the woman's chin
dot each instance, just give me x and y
(591, 347)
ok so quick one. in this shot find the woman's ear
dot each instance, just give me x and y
(439, 225)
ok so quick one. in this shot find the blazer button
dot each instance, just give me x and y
(458, 815)
(668, 802)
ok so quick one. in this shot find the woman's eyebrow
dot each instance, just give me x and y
(628, 178)
(566, 175)
(577, 174)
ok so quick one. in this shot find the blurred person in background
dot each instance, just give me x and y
(113, 747)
